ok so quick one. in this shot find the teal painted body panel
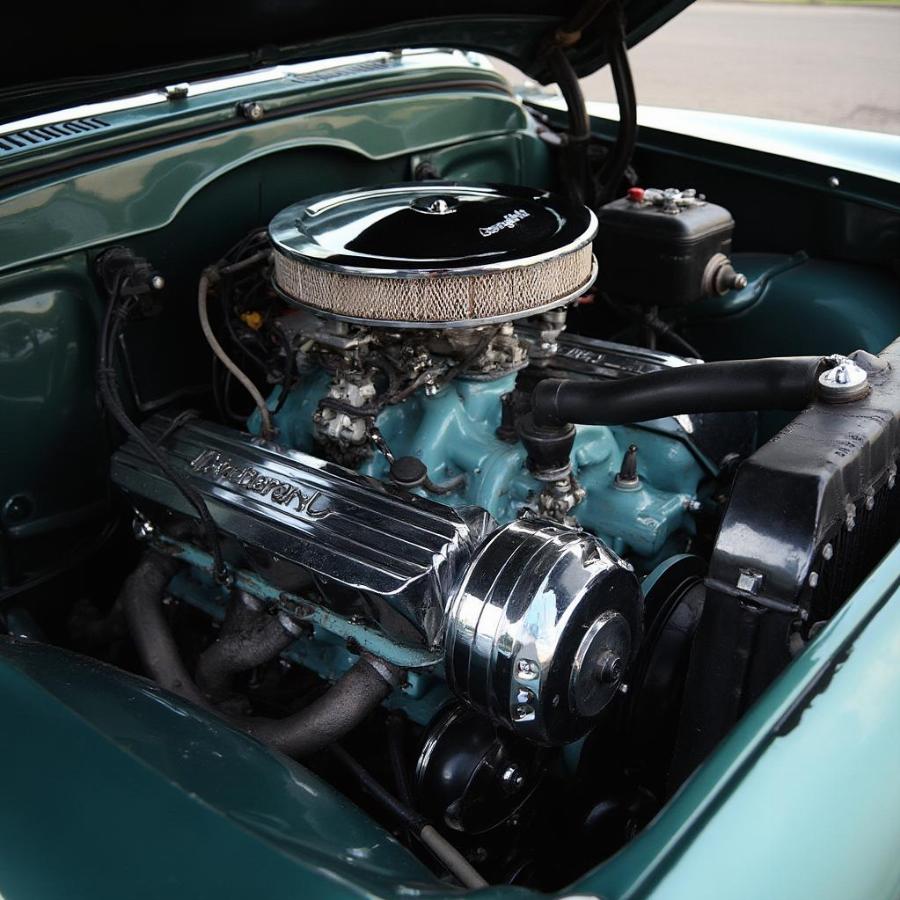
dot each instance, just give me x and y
(132, 195)
(867, 153)
(115, 788)
(149, 116)
(53, 449)
(871, 154)
(825, 307)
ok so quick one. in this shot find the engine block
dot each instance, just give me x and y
(537, 610)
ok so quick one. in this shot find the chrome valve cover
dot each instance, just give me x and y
(370, 552)
(542, 629)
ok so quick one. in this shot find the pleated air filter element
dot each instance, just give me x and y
(433, 254)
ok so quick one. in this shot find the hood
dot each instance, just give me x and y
(59, 56)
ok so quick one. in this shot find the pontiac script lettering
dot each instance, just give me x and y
(211, 462)
(510, 220)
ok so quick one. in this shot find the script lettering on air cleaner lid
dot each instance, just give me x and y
(510, 220)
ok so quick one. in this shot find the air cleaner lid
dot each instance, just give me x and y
(430, 228)
(433, 253)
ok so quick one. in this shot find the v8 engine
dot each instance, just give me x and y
(445, 504)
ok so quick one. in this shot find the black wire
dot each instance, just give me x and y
(225, 294)
(649, 319)
(619, 157)
(409, 817)
(288, 366)
(396, 731)
(243, 245)
(185, 416)
(113, 321)
(665, 330)
(576, 170)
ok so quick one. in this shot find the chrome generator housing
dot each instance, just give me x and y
(542, 629)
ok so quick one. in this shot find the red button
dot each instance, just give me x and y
(635, 194)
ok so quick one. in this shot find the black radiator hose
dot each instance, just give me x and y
(358, 692)
(746, 384)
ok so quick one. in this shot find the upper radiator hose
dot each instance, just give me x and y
(746, 384)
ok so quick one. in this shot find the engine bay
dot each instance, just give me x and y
(502, 582)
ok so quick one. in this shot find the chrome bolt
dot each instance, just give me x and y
(813, 579)
(524, 696)
(252, 110)
(527, 669)
(610, 668)
(523, 712)
(512, 779)
(157, 282)
(177, 91)
(827, 552)
(751, 582)
(834, 181)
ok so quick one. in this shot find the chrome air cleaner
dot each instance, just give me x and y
(433, 255)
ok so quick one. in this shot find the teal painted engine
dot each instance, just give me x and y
(461, 438)
(402, 499)
(418, 372)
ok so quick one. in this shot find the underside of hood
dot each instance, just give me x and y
(59, 56)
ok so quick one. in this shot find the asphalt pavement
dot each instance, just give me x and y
(831, 65)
